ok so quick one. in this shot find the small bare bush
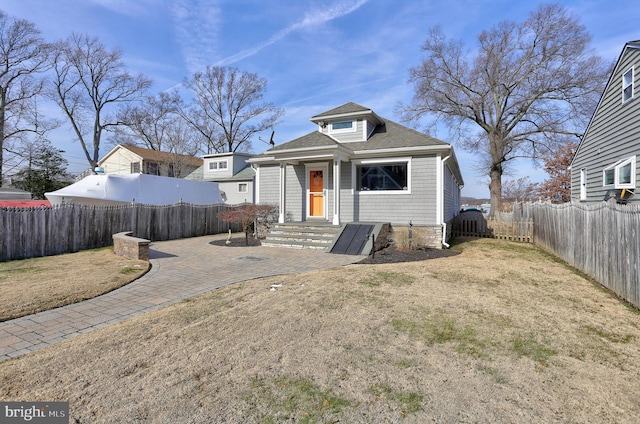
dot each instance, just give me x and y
(409, 240)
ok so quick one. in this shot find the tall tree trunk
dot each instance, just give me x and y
(495, 188)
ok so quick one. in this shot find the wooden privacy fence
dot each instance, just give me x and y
(503, 226)
(602, 240)
(44, 231)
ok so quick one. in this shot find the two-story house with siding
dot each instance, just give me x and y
(125, 159)
(359, 167)
(235, 177)
(605, 164)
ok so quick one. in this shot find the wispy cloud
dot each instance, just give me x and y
(128, 7)
(312, 18)
(197, 23)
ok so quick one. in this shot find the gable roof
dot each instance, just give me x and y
(156, 155)
(629, 45)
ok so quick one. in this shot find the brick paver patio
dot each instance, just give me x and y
(181, 269)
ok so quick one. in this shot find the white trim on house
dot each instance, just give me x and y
(353, 128)
(282, 197)
(218, 165)
(256, 185)
(317, 166)
(616, 168)
(337, 172)
(407, 150)
(439, 188)
(379, 161)
(583, 184)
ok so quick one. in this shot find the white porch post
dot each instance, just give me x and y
(283, 197)
(336, 191)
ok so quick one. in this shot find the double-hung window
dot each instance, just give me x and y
(627, 85)
(621, 174)
(218, 165)
(152, 168)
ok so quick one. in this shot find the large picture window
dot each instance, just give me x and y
(382, 176)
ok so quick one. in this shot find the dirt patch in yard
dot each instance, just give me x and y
(500, 333)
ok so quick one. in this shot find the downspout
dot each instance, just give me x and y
(255, 194)
(444, 224)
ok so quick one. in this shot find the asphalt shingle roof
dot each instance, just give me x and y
(344, 109)
(388, 136)
(163, 156)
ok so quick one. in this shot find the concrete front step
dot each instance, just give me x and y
(302, 236)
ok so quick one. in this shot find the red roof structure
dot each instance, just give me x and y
(23, 203)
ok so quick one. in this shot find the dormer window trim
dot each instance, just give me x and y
(344, 126)
(218, 165)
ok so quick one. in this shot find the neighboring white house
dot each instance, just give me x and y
(605, 163)
(124, 159)
(359, 167)
(234, 176)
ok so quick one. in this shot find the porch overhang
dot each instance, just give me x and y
(295, 156)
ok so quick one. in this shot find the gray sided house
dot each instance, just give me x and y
(605, 164)
(359, 167)
(235, 177)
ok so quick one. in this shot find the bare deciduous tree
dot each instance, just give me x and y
(227, 108)
(527, 87)
(519, 190)
(22, 58)
(155, 124)
(90, 81)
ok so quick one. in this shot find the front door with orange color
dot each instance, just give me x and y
(316, 193)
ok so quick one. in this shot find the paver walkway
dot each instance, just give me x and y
(180, 269)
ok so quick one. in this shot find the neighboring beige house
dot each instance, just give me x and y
(124, 159)
(235, 177)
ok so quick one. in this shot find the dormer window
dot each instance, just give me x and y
(218, 165)
(342, 127)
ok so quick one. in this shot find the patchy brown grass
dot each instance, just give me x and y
(501, 333)
(33, 285)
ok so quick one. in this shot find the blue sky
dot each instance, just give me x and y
(316, 55)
